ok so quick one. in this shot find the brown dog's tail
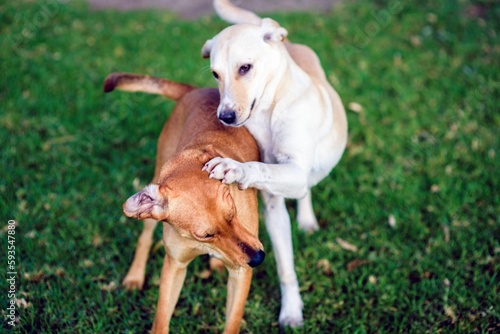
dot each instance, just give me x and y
(147, 84)
(232, 14)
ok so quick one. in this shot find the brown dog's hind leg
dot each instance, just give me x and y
(135, 276)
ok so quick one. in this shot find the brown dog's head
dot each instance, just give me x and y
(200, 210)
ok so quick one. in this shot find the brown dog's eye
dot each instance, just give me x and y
(216, 76)
(205, 236)
(244, 69)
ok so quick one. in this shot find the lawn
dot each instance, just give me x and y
(410, 218)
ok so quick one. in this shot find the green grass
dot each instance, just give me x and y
(424, 150)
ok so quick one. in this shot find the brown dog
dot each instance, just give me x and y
(200, 215)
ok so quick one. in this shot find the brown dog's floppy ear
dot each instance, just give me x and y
(273, 31)
(205, 50)
(147, 203)
(208, 154)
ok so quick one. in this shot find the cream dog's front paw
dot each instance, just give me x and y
(291, 307)
(225, 169)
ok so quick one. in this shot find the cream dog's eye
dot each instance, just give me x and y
(244, 69)
(216, 76)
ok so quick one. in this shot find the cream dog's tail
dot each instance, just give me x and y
(232, 14)
(147, 84)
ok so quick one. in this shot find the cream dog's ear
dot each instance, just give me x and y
(147, 203)
(205, 50)
(273, 32)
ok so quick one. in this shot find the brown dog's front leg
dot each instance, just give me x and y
(173, 274)
(238, 286)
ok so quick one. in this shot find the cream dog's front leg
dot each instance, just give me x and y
(173, 274)
(279, 228)
(287, 179)
(283, 180)
(238, 286)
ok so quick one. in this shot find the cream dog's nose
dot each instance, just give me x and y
(227, 116)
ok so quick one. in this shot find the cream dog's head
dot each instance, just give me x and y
(245, 60)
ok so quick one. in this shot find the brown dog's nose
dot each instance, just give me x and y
(228, 116)
(257, 258)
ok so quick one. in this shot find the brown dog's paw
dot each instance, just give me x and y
(216, 265)
(133, 283)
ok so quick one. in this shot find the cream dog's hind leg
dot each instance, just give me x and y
(305, 214)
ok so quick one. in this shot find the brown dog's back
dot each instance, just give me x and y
(193, 120)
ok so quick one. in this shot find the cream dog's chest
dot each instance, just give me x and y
(260, 128)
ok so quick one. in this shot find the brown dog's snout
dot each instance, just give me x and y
(256, 256)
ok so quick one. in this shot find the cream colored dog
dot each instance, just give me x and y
(279, 91)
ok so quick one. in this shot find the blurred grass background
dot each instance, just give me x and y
(416, 193)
